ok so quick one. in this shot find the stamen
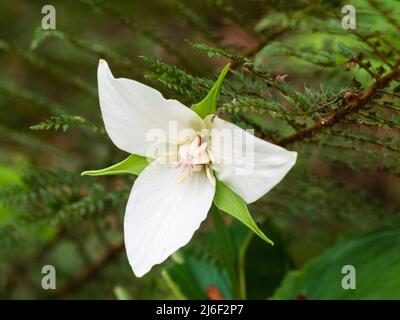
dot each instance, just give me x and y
(184, 176)
(210, 175)
(194, 156)
(211, 156)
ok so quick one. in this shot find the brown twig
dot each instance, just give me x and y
(354, 103)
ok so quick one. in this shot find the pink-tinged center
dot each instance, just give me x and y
(194, 156)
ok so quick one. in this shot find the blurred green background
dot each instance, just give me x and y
(339, 206)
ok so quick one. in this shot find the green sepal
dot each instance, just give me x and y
(134, 164)
(208, 105)
(227, 200)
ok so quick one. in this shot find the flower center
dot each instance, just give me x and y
(195, 156)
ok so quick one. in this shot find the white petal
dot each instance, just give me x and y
(162, 215)
(248, 165)
(131, 109)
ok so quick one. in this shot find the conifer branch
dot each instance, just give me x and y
(354, 103)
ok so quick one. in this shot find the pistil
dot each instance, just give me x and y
(194, 157)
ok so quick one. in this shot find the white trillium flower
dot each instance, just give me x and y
(170, 199)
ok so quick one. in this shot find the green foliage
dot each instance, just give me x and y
(296, 77)
(221, 53)
(369, 254)
(31, 97)
(121, 293)
(200, 274)
(228, 201)
(178, 80)
(191, 278)
(209, 104)
(48, 67)
(64, 122)
(134, 164)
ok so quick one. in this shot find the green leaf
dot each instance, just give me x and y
(264, 267)
(134, 164)
(197, 268)
(227, 200)
(375, 257)
(209, 104)
(190, 277)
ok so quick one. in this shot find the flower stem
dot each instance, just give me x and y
(228, 252)
(241, 262)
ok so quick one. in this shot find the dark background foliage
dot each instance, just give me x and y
(297, 78)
